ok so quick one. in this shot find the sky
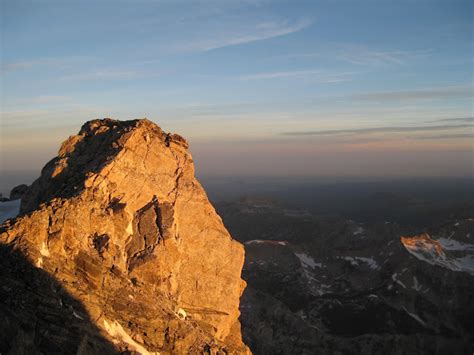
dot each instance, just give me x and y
(372, 88)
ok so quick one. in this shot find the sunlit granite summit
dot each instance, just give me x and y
(117, 248)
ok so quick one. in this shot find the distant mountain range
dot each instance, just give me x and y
(331, 285)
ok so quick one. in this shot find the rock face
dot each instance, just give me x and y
(18, 191)
(118, 248)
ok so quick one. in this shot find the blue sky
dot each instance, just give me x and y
(278, 88)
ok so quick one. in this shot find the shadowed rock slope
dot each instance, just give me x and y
(131, 254)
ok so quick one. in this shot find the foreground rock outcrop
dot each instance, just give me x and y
(118, 248)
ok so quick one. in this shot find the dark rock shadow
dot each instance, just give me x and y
(38, 316)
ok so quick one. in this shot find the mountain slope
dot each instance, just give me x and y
(331, 285)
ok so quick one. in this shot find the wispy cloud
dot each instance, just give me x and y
(250, 33)
(460, 119)
(422, 94)
(61, 62)
(356, 131)
(6, 67)
(448, 136)
(282, 74)
(362, 55)
(105, 74)
(321, 76)
(319, 54)
(356, 54)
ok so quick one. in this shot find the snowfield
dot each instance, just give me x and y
(433, 252)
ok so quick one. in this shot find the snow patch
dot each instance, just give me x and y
(77, 315)
(401, 284)
(416, 285)
(255, 241)
(129, 229)
(426, 249)
(264, 241)
(394, 278)
(451, 244)
(44, 249)
(116, 331)
(466, 263)
(354, 260)
(415, 317)
(369, 261)
(307, 261)
(296, 213)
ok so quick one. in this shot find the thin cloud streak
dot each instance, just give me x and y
(60, 62)
(424, 94)
(449, 136)
(101, 75)
(358, 55)
(321, 76)
(461, 119)
(356, 131)
(284, 74)
(362, 55)
(260, 32)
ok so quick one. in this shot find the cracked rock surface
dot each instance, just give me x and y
(118, 249)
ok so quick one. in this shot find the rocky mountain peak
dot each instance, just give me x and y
(118, 223)
(95, 149)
